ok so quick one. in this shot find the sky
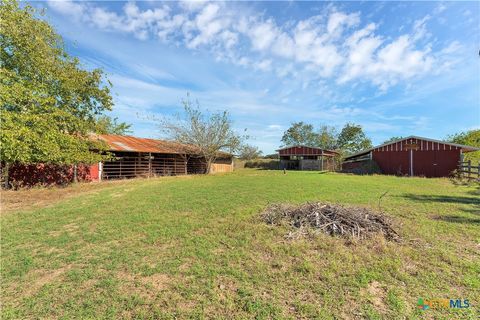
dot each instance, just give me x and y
(396, 68)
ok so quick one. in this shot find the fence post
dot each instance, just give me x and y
(149, 164)
(75, 174)
(469, 168)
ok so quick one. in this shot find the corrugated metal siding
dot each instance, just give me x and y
(393, 162)
(423, 145)
(430, 159)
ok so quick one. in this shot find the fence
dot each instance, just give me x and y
(467, 169)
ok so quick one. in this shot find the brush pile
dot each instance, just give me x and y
(335, 220)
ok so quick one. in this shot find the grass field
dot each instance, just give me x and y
(194, 247)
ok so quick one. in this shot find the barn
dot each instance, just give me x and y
(306, 158)
(412, 156)
(142, 157)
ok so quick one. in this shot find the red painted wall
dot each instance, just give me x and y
(94, 172)
(392, 162)
(431, 163)
(47, 174)
(430, 159)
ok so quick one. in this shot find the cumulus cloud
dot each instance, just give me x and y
(334, 45)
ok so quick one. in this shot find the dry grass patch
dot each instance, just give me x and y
(147, 287)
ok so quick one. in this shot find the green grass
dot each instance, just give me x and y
(194, 247)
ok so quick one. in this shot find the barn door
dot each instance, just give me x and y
(423, 163)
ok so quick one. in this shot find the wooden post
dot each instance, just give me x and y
(75, 175)
(186, 163)
(6, 169)
(469, 168)
(149, 164)
(411, 162)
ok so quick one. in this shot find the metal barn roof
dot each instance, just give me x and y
(134, 144)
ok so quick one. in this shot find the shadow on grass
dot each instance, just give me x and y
(445, 199)
(475, 210)
(458, 219)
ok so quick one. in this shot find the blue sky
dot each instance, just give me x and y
(396, 68)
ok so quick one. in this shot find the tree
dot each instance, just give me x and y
(209, 133)
(327, 137)
(109, 125)
(469, 138)
(392, 139)
(49, 104)
(248, 152)
(352, 139)
(271, 156)
(300, 133)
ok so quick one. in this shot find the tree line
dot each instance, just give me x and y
(350, 139)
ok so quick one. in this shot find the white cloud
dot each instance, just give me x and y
(263, 65)
(333, 45)
(262, 35)
(439, 8)
(70, 8)
(338, 20)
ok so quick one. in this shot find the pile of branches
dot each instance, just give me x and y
(335, 220)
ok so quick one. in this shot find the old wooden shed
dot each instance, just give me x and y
(143, 157)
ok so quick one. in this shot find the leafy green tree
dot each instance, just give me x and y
(48, 103)
(393, 139)
(469, 138)
(248, 152)
(109, 125)
(271, 156)
(352, 139)
(300, 133)
(327, 137)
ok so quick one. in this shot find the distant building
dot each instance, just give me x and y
(306, 158)
(412, 156)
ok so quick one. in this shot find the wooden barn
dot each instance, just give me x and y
(306, 158)
(412, 156)
(142, 157)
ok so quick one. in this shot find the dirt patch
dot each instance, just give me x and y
(42, 278)
(335, 220)
(27, 199)
(146, 287)
(377, 295)
(71, 229)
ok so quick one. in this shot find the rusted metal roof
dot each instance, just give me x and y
(134, 144)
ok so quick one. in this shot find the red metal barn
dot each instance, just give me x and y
(413, 156)
(306, 158)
